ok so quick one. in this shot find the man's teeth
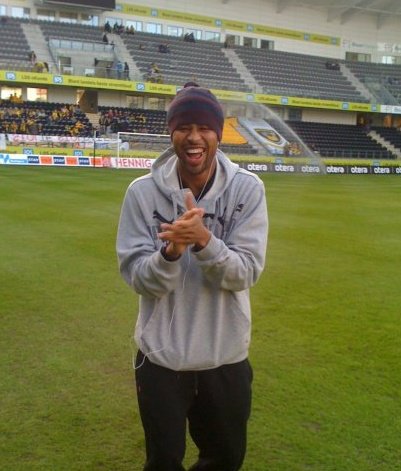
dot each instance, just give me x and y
(194, 151)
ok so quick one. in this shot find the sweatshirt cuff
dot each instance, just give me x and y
(212, 249)
(166, 257)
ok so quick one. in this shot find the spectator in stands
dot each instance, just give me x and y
(368, 125)
(126, 71)
(39, 67)
(102, 123)
(154, 74)
(141, 118)
(193, 274)
(313, 148)
(118, 28)
(332, 65)
(32, 126)
(107, 27)
(32, 57)
(13, 127)
(120, 70)
(130, 29)
(55, 116)
(108, 123)
(105, 38)
(286, 149)
(77, 128)
(295, 148)
(22, 127)
(14, 98)
(189, 37)
(164, 48)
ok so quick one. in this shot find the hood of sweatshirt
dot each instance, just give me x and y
(165, 176)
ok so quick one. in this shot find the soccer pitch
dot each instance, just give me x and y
(326, 325)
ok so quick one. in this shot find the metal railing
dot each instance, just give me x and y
(81, 45)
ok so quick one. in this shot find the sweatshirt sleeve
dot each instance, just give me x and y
(140, 260)
(236, 262)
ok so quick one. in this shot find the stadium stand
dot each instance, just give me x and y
(391, 135)
(71, 31)
(180, 64)
(14, 48)
(285, 73)
(277, 72)
(339, 140)
(88, 54)
(58, 119)
(379, 78)
(202, 61)
(231, 134)
(233, 141)
(120, 119)
(245, 149)
(137, 120)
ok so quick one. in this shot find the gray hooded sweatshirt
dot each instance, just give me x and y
(194, 313)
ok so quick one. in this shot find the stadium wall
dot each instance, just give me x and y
(333, 117)
(110, 98)
(61, 95)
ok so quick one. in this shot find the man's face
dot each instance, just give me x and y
(195, 146)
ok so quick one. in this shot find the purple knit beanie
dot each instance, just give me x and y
(195, 105)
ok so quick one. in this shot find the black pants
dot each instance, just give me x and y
(216, 404)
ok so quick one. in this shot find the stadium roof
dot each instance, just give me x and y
(344, 10)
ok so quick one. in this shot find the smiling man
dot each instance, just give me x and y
(191, 242)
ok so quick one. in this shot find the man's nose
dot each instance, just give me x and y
(194, 133)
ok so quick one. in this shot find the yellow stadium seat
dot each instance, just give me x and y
(230, 133)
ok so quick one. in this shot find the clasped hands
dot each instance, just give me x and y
(187, 230)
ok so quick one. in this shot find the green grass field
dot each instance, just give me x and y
(326, 333)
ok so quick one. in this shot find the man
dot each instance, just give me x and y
(191, 242)
(120, 69)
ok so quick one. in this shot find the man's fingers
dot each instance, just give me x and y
(190, 214)
(189, 200)
(165, 235)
